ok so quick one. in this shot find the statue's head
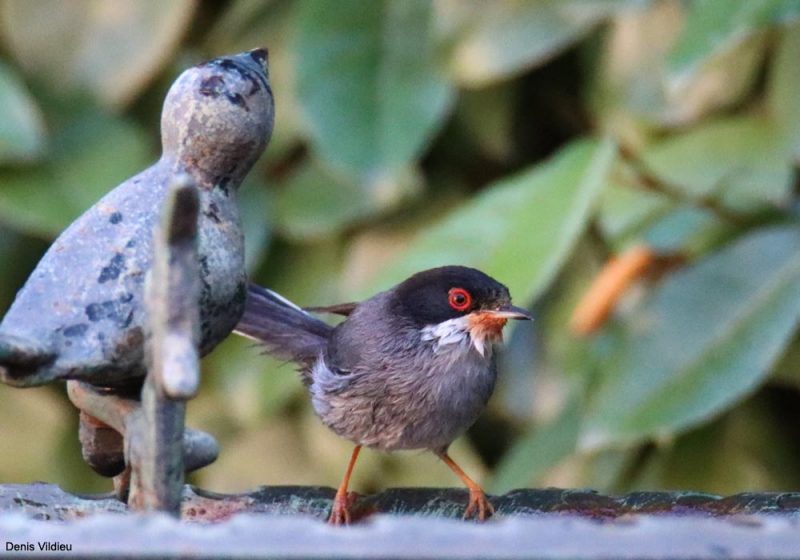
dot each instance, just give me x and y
(218, 117)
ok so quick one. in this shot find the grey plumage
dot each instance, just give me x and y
(285, 330)
(409, 368)
(377, 382)
(398, 391)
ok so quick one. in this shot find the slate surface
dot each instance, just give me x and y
(284, 522)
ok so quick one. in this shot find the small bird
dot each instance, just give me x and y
(409, 368)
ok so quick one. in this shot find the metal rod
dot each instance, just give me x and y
(156, 444)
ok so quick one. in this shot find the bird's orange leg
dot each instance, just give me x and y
(477, 497)
(340, 512)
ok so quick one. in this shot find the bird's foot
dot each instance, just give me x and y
(342, 504)
(478, 504)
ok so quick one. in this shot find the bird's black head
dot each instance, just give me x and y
(440, 294)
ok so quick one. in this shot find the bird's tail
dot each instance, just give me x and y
(287, 331)
(20, 359)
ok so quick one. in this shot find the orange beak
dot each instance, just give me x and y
(486, 325)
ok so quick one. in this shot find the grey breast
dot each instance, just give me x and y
(389, 389)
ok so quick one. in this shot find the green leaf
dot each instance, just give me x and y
(538, 451)
(314, 203)
(687, 230)
(492, 40)
(742, 161)
(306, 274)
(89, 157)
(110, 49)
(542, 362)
(245, 25)
(625, 211)
(521, 229)
(258, 386)
(22, 134)
(254, 206)
(709, 336)
(368, 82)
(54, 457)
(317, 201)
(633, 89)
(783, 100)
(748, 447)
(21, 254)
(629, 215)
(713, 26)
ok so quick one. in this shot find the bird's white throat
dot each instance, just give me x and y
(458, 332)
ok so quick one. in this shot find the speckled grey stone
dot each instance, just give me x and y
(288, 522)
(80, 315)
(48, 501)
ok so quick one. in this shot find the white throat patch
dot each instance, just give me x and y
(455, 332)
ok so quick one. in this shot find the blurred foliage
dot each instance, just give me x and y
(534, 139)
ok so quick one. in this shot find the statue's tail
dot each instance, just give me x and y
(21, 359)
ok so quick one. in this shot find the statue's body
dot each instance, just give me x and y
(80, 315)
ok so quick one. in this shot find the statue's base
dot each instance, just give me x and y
(284, 522)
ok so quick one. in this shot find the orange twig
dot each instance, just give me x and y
(608, 287)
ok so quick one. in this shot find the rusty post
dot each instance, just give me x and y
(216, 121)
(172, 293)
(123, 415)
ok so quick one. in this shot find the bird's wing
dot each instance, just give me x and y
(338, 309)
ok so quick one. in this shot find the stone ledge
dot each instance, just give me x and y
(50, 502)
(554, 536)
(285, 522)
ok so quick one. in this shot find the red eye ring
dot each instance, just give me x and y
(459, 299)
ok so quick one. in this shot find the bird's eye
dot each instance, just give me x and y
(459, 299)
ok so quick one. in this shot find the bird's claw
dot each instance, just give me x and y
(480, 504)
(340, 511)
